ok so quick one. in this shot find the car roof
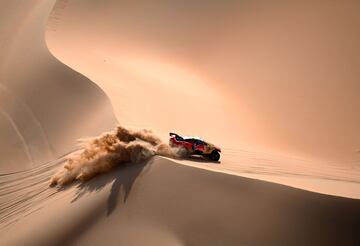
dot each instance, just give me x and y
(195, 138)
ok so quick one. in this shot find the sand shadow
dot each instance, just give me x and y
(201, 159)
(122, 178)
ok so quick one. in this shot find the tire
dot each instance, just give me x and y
(214, 156)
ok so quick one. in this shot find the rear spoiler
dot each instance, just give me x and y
(175, 135)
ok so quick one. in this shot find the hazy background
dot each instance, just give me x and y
(278, 74)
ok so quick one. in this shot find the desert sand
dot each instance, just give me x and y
(274, 84)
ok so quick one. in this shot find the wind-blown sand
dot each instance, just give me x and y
(280, 97)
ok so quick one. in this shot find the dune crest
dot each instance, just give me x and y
(101, 154)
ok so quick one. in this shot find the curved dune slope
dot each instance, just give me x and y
(202, 68)
(44, 105)
(264, 81)
(164, 203)
(281, 75)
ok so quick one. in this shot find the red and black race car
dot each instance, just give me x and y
(195, 146)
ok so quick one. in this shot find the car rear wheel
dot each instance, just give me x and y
(214, 156)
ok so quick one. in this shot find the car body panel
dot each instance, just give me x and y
(194, 145)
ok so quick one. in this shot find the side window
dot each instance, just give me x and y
(178, 138)
(199, 142)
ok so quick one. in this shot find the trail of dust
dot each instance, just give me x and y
(111, 149)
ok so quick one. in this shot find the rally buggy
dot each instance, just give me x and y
(195, 146)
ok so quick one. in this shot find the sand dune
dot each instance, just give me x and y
(223, 83)
(278, 75)
(41, 98)
(164, 203)
(274, 84)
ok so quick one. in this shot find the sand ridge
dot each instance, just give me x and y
(40, 97)
(280, 98)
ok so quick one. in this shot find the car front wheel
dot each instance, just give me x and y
(214, 156)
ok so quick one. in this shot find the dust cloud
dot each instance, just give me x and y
(103, 153)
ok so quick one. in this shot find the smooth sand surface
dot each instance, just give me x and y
(274, 84)
(164, 203)
(44, 105)
(209, 70)
(279, 75)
